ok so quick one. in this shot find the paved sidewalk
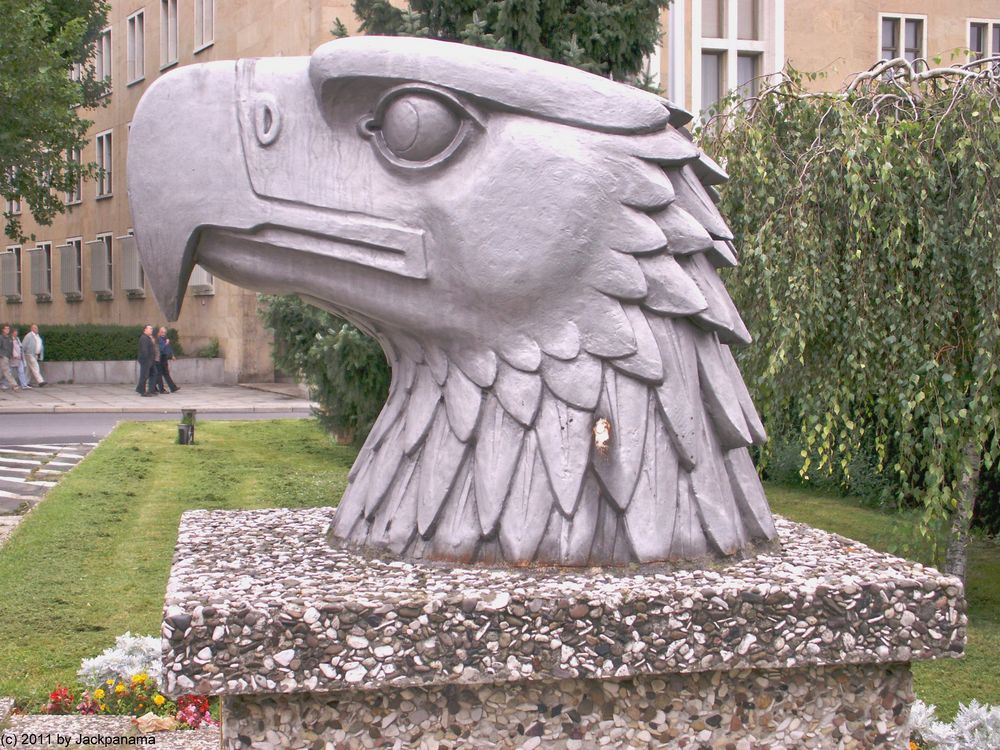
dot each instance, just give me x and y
(117, 399)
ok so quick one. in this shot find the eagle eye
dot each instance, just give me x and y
(417, 126)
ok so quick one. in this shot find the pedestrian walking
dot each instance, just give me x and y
(17, 361)
(166, 354)
(148, 355)
(33, 351)
(6, 355)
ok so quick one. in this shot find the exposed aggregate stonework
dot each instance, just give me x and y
(859, 706)
(258, 603)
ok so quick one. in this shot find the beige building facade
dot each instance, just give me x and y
(84, 268)
(714, 46)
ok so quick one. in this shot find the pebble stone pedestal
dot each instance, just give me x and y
(312, 647)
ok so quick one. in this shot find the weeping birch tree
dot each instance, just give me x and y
(869, 222)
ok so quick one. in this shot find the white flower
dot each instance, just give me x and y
(131, 655)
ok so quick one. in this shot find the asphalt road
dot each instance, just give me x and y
(76, 427)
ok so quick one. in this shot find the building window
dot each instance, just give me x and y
(101, 266)
(204, 23)
(984, 39)
(41, 272)
(14, 206)
(10, 269)
(75, 194)
(902, 36)
(104, 182)
(168, 32)
(104, 60)
(136, 47)
(734, 49)
(71, 269)
(712, 84)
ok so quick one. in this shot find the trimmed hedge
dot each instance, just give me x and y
(90, 342)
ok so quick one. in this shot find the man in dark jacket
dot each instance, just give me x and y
(163, 367)
(148, 352)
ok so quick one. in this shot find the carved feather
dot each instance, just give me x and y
(623, 403)
(518, 392)
(610, 540)
(520, 351)
(754, 424)
(620, 276)
(719, 393)
(685, 235)
(577, 382)
(457, 533)
(721, 315)
(667, 147)
(462, 400)
(647, 363)
(445, 453)
(671, 290)
(679, 396)
(606, 332)
(643, 186)
(691, 196)
(568, 539)
(722, 254)
(560, 340)
(714, 502)
(384, 468)
(631, 231)
(395, 525)
(479, 364)
(749, 494)
(500, 442)
(437, 361)
(527, 507)
(564, 438)
(690, 541)
(650, 517)
(420, 409)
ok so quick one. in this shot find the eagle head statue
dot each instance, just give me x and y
(536, 249)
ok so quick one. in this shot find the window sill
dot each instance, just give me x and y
(73, 296)
(105, 196)
(13, 299)
(168, 65)
(134, 81)
(77, 202)
(204, 47)
(105, 296)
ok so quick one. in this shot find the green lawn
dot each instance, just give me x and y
(92, 561)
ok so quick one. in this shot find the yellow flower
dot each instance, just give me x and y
(104, 706)
(159, 700)
(111, 682)
(140, 678)
(99, 693)
(119, 688)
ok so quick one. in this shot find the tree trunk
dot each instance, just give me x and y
(961, 521)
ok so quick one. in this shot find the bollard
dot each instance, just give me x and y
(185, 434)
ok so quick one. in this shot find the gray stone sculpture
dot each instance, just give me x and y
(536, 248)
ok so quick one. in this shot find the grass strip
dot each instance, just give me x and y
(92, 561)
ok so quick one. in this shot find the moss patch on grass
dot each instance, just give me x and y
(91, 562)
(943, 682)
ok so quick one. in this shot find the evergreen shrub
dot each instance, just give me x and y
(91, 342)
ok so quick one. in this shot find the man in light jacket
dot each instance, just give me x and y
(33, 351)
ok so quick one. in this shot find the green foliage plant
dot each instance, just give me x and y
(347, 370)
(607, 37)
(869, 222)
(90, 342)
(40, 43)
